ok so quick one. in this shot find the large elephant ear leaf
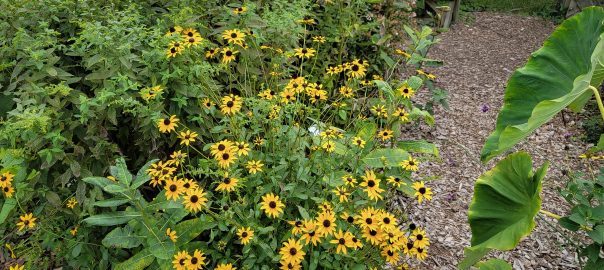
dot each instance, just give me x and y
(555, 77)
(506, 200)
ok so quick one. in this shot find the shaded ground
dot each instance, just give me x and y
(479, 58)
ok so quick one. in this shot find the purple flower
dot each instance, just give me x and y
(484, 108)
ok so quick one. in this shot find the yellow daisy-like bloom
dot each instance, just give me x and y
(403, 266)
(402, 115)
(240, 10)
(391, 255)
(173, 52)
(387, 222)
(373, 236)
(17, 267)
(287, 96)
(234, 36)
(242, 148)
(420, 253)
(289, 266)
(177, 157)
(74, 231)
(356, 243)
(158, 169)
(207, 103)
(372, 185)
(304, 52)
(258, 141)
(331, 70)
(226, 159)
(272, 205)
(254, 166)
(420, 239)
(342, 193)
(358, 142)
(192, 41)
(167, 125)
(318, 39)
(174, 188)
(379, 111)
(297, 226)
(180, 260)
(267, 94)
(422, 192)
(228, 55)
(156, 181)
(410, 164)
(326, 223)
(197, 260)
(221, 147)
(187, 137)
(395, 181)
(385, 134)
(329, 146)
(6, 178)
(347, 217)
(71, 203)
(231, 104)
(27, 220)
(195, 199)
(343, 240)
(225, 266)
(189, 184)
(349, 180)
(346, 92)
(190, 32)
(174, 30)
(406, 91)
(367, 219)
(309, 232)
(356, 69)
(228, 184)
(211, 53)
(8, 191)
(245, 235)
(325, 207)
(171, 234)
(291, 252)
(317, 95)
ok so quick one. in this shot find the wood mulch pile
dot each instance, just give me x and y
(478, 60)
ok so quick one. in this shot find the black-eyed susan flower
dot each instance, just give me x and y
(192, 41)
(267, 94)
(188, 184)
(401, 114)
(287, 96)
(226, 159)
(289, 266)
(391, 254)
(317, 95)
(329, 146)
(242, 148)
(245, 235)
(410, 164)
(420, 253)
(291, 252)
(228, 55)
(347, 217)
(309, 232)
(26, 221)
(325, 206)
(173, 52)
(167, 125)
(239, 10)
(342, 194)
(6, 178)
(367, 218)
(207, 103)
(227, 184)
(385, 134)
(254, 166)
(373, 236)
(272, 205)
(195, 199)
(342, 240)
(346, 91)
(326, 223)
(174, 30)
(211, 53)
(422, 192)
(171, 234)
(318, 39)
(160, 169)
(333, 70)
(177, 158)
(225, 266)
(372, 185)
(197, 260)
(224, 146)
(187, 137)
(17, 267)
(8, 191)
(387, 221)
(395, 181)
(73, 231)
(190, 32)
(379, 111)
(356, 243)
(356, 69)
(231, 104)
(296, 226)
(304, 52)
(358, 142)
(71, 203)
(180, 260)
(174, 188)
(406, 91)
(349, 180)
(234, 36)
(420, 239)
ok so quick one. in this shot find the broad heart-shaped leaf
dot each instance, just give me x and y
(506, 200)
(555, 77)
(494, 264)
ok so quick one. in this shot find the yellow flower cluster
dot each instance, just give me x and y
(187, 38)
(6, 183)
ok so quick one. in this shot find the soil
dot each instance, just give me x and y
(478, 60)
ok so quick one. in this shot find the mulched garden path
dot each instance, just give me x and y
(479, 57)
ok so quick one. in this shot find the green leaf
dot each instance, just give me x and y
(556, 76)
(142, 176)
(161, 248)
(494, 264)
(111, 219)
(53, 198)
(137, 262)
(385, 157)
(472, 255)
(122, 238)
(101, 182)
(597, 234)
(506, 200)
(386, 88)
(419, 146)
(368, 131)
(110, 202)
(189, 229)
(7, 207)
(120, 172)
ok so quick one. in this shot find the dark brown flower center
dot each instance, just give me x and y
(311, 234)
(371, 183)
(386, 220)
(342, 241)
(293, 251)
(221, 147)
(411, 163)
(373, 232)
(226, 180)
(181, 262)
(191, 40)
(304, 51)
(194, 260)
(326, 223)
(390, 253)
(243, 234)
(369, 221)
(173, 188)
(298, 223)
(166, 121)
(229, 53)
(272, 204)
(355, 68)
(350, 219)
(409, 245)
(172, 29)
(419, 237)
(194, 199)
(422, 190)
(230, 104)
(234, 35)
(187, 185)
(190, 34)
(225, 156)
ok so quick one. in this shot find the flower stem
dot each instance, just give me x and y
(549, 214)
(598, 99)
